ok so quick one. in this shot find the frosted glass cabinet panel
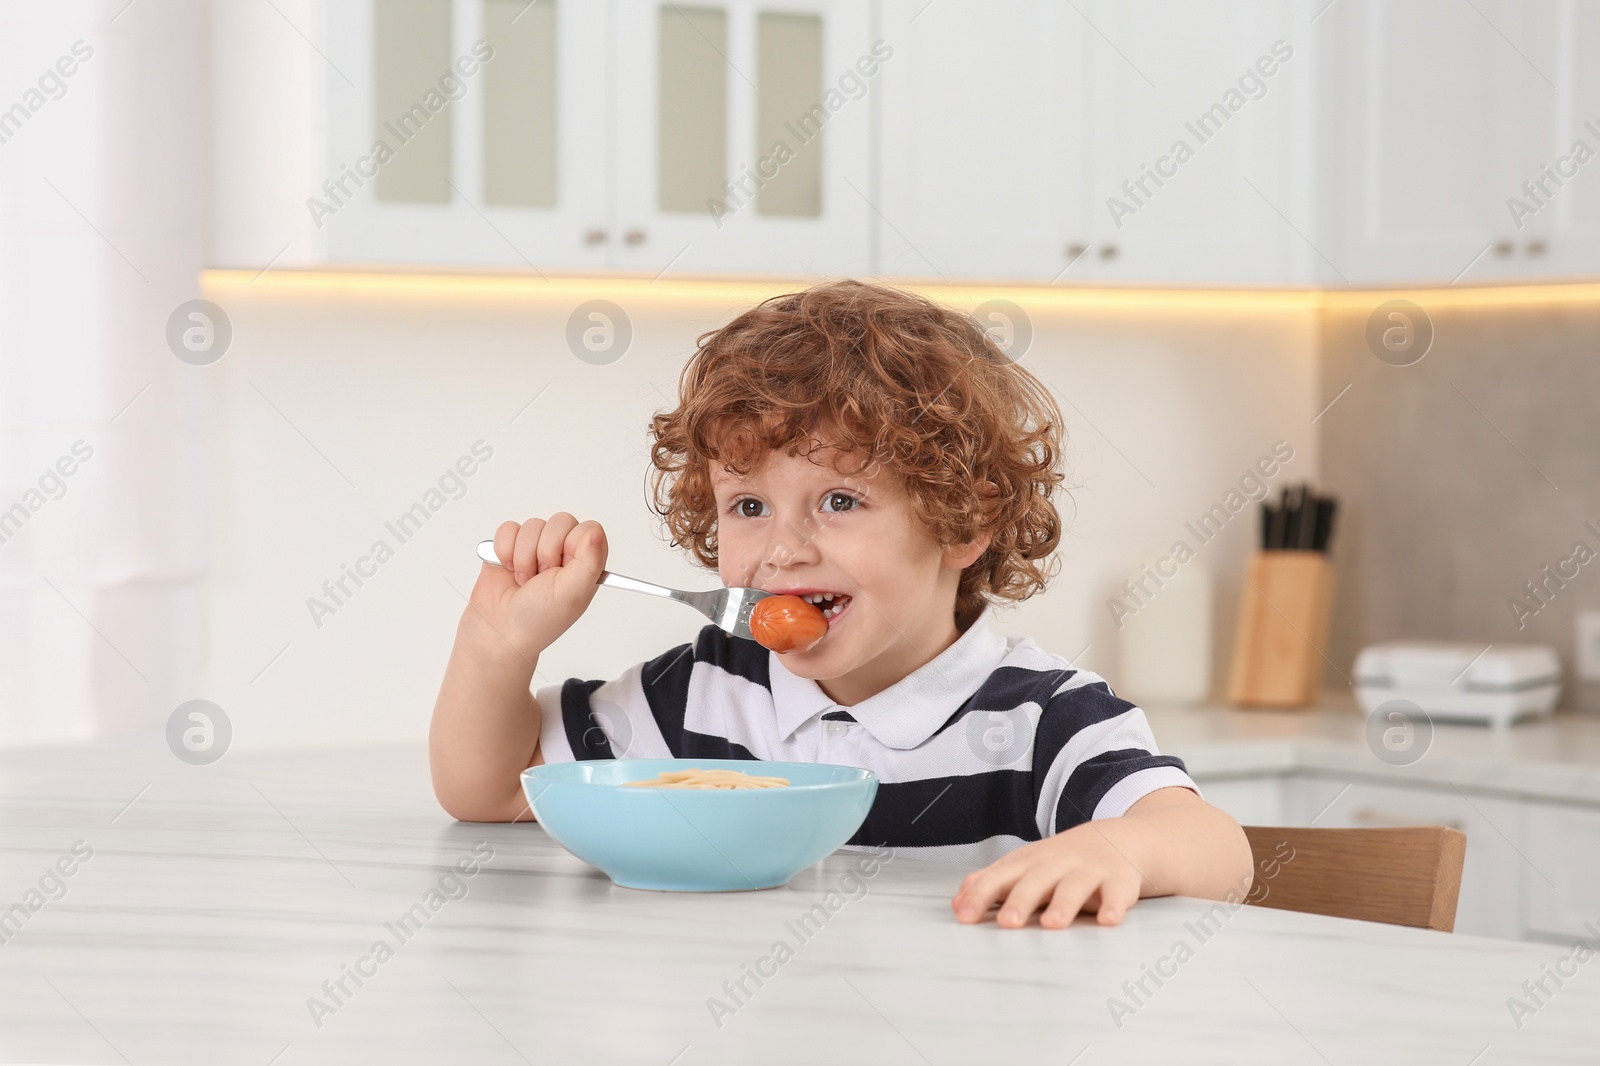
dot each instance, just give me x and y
(742, 136)
(519, 104)
(457, 134)
(692, 106)
(788, 83)
(411, 46)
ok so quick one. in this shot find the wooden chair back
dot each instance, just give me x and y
(1406, 876)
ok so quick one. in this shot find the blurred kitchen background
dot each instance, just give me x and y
(425, 227)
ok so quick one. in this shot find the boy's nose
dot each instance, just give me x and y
(789, 547)
(800, 539)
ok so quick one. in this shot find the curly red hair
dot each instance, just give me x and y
(972, 437)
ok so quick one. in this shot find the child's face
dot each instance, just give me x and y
(797, 525)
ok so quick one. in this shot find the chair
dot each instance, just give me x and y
(1408, 876)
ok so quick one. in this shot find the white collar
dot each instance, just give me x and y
(906, 713)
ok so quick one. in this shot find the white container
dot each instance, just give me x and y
(1165, 648)
(1461, 682)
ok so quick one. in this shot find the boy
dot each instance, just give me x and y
(868, 449)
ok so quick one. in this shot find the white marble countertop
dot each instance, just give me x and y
(219, 899)
(1556, 758)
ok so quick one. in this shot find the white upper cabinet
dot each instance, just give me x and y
(1199, 120)
(1234, 142)
(983, 154)
(1571, 211)
(1435, 114)
(1148, 140)
(742, 135)
(580, 134)
(469, 132)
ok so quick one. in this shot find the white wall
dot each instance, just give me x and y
(102, 236)
(392, 389)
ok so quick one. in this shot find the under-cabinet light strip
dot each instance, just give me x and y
(740, 292)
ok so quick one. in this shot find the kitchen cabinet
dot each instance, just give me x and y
(1573, 213)
(1027, 140)
(467, 132)
(1250, 800)
(983, 152)
(1561, 877)
(1199, 133)
(742, 136)
(1429, 144)
(633, 134)
(1245, 142)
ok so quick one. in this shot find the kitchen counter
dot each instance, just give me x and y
(1556, 758)
(208, 906)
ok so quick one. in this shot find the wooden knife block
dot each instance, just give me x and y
(1284, 607)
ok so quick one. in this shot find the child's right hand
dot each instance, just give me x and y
(551, 572)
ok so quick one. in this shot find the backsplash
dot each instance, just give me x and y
(1469, 480)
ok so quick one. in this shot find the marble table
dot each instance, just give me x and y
(212, 912)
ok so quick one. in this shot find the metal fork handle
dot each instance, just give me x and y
(633, 584)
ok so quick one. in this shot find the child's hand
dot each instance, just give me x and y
(552, 572)
(1084, 868)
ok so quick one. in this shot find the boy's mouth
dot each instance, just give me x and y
(831, 604)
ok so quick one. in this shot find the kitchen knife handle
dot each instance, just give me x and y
(1294, 507)
(1325, 523)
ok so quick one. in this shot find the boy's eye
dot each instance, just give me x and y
(750, 507)
(849, 505)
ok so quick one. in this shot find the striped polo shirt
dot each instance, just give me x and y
(993, 743)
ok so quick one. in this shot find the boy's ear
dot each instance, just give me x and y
(989, 493)
(962, 556)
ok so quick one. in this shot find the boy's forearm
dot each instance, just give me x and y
(485, 726)
(1186, 847)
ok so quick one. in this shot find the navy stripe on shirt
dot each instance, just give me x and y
(940, 811)
(584, 735)
(1093, 778)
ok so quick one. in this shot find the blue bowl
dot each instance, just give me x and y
(698, 840)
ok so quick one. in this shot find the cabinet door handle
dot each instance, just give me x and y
(594, 236)
(1504, 248)
(1534, 248)
(633, 236)
(1075, 250)
(1369, 816)
(1108, 251)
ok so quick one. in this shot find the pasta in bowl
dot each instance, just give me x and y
(699, 825)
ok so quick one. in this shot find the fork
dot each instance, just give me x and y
(728, 609)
